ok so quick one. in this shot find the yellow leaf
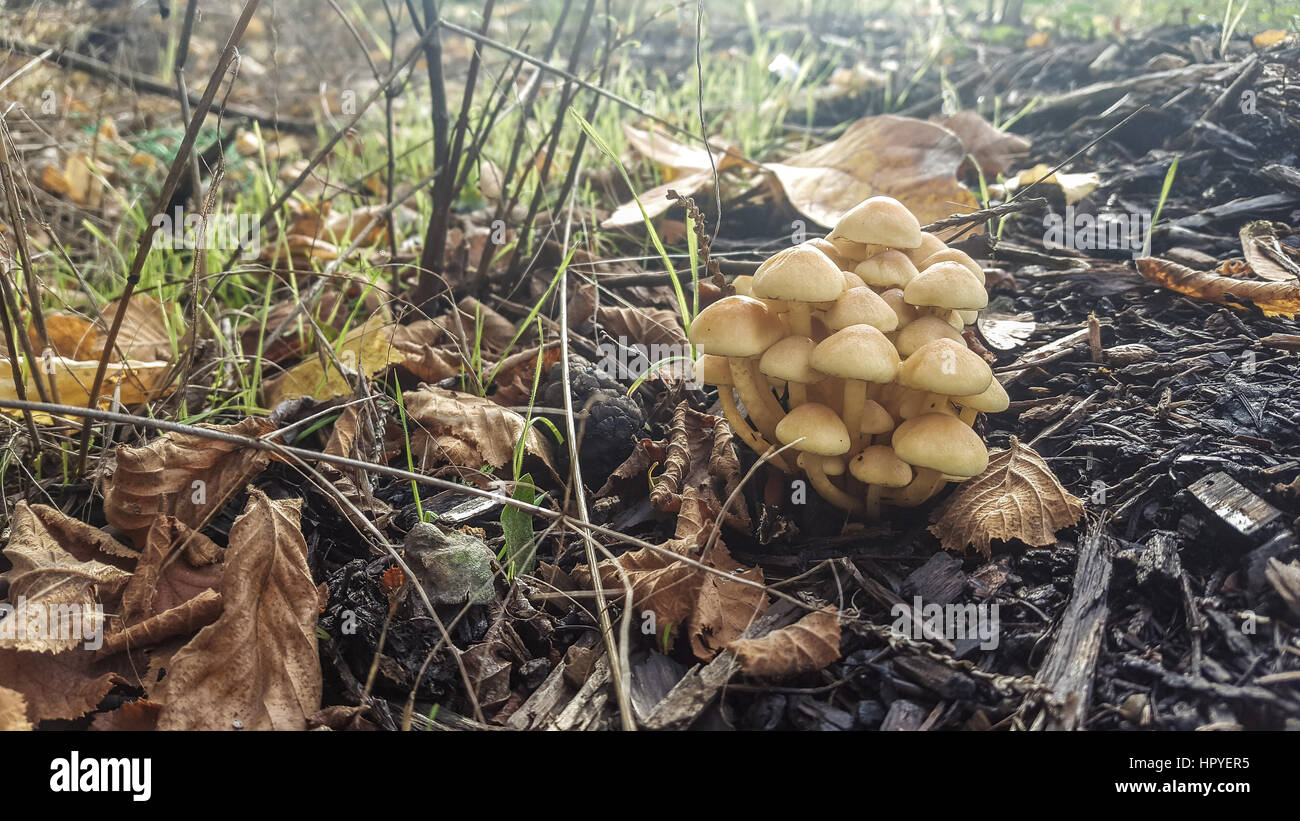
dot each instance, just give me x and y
(1038, 39)
(139, 382)
(1269, 38)
(367, 349)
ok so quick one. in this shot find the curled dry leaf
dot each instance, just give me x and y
(911, 160)
(418, 343)
(178, 565)
(56, 686)
(143, 337)
(645, 326)
(184, 475)
(806, 646)
(13, 711)
(134, 716)
(1016, 497)
(686, 169)
(700, 457)
(60, 570)
(468, 431)
(1264, 253)
(993, 149)
(1273, 298)
(257, 664)
(725, 607)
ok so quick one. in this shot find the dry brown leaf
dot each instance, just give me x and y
(806, 646)
(134, 716)
(1264, 254)
(367, 349)
(468, 431)
(138, 382)
(911, 160)
(49, 580)
(184, 475)
(686, 169)
(59, 686)
(725, 608)
(700, 459)
(182, 620)
(13, 711)
(166, 575)
(1273, 298)
(993, 149)
(1016, 497)
(256, 667)
(418, 343)
(661, 585)
(1285, 579)
(644, 326)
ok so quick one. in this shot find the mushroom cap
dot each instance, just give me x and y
(878, 221)
(946, 285)
(743, 284)
(875, 419)
(930, 245)
(894, 298)
(789, 360)
(713, 370)
(822, 429)
(860, 306)
(994, 399)
(879, 465)
(857, 352)
(954, 255)
(800, 273)
(941, 442)
(736, 326)
(888, 269)
(945, 367)
(828, 248)
(921, 330)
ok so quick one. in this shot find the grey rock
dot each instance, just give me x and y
(451, 567)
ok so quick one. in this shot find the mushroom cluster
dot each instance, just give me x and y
(849, 349)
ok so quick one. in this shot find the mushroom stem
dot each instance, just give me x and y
(751, 385)
(747, 434)
(826, 490)
(926, 484)
(801, 318)
(798, 394)
(968, 415)
(855, 399)
(873, 501)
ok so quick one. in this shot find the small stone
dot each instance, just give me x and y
(451, 567)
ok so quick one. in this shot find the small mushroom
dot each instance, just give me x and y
(741, 328)
(826, 247)
(946, 286)
(873, 225)
(858, 354)
(937, 446)
(894, 298)
(790, 361)
(799, 276)
(944, 368)
(993, 399)
(878, 467)
(860, 306)
(922, 330)
(888, 269)
(817, 432)
(930, 245)
(954, 255)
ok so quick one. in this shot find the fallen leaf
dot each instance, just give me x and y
(13, 711)
(1016, 497)
(468, 431)
(1271, 37)
(645, 326)
(134, 716)
(911, 160)
(1272, 298)
(134, 382)
(185, 475)
(419, 343)
(1264, 254)
(168, 574)
(685, 169)
(725, 608)
(992, 148)
(1285, 579)
(1074, 187)
(806, 646)
(57, 594)
(56, 686)
(700, 458)
(367, 349)
(256, 667)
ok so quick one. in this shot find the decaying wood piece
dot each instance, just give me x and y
(546, 699)
(584, 710)
(1070, 664)
(1233, 504)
